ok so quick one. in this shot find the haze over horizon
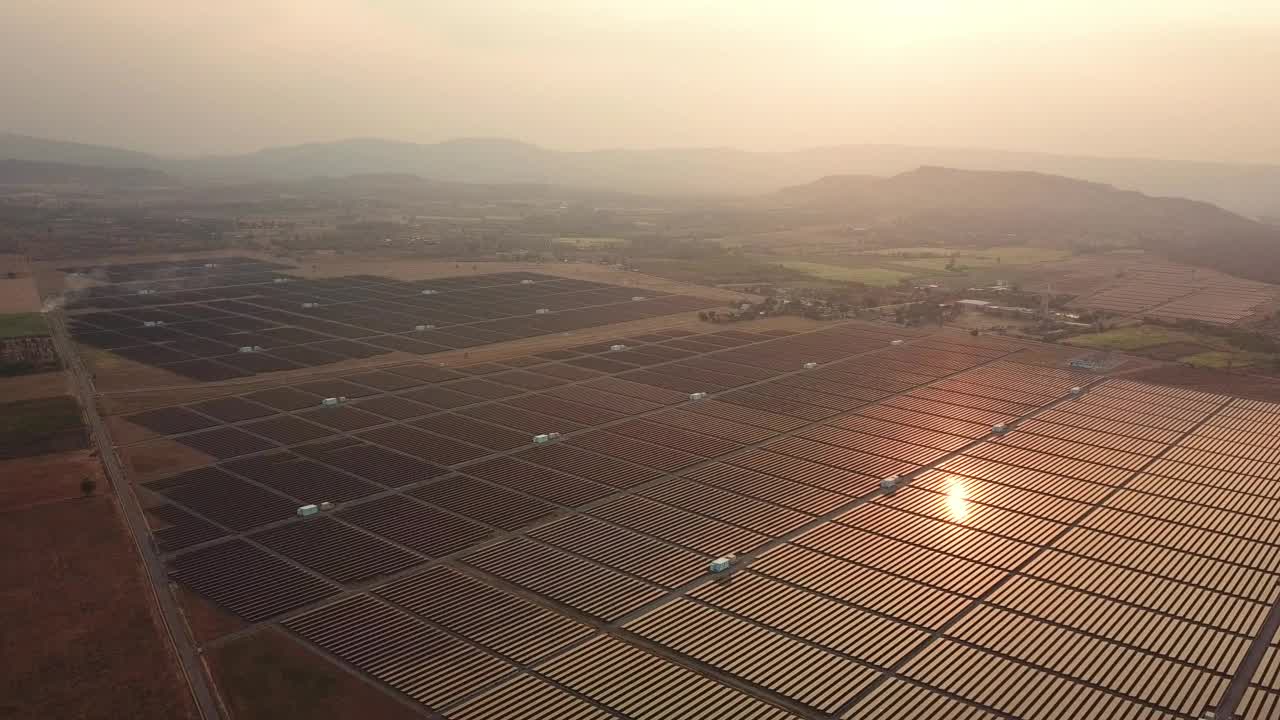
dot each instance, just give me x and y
(1174, 79)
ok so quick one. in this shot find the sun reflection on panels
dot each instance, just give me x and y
(957, 500)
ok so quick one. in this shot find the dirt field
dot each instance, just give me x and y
(80, 639)
(112, 372)
(124, 432)
(158, 458)
(45, 478)
(1252, 387)
(270, 676)
(17, 295)
(206, 621)
(36, 385)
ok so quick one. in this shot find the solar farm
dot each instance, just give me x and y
(850, 521)
(224, 320)
(1171, 291)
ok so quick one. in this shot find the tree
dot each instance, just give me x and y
(87, 486)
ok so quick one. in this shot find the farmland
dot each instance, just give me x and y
(22, 325)
(864, 275)
(1195, 348)
(40, 425)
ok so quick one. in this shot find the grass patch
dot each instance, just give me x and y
(722, 270)
(1135, 338)
(23, 325)
(970, 258)
(1220, 359)
(839, 273)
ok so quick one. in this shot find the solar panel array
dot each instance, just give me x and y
(1110, 555)
(1181, 292)
(199, 332)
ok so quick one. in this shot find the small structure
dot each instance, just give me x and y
(972, 304)
(722, 563)
(307, 510)
(1000, 429)
(890, 484)
(1077, 391)
(810, 365)
(698, 396)
(326, 506)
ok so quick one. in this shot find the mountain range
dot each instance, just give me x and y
(1252, 190)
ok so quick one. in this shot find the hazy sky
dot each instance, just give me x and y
(1188, 79)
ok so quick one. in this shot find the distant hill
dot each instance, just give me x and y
(951, 205)
(938, 188)
(1250, 189)
(24, 172)
(33, 149)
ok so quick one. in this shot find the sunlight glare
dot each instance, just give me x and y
(957, 501)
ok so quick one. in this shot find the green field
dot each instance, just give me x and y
(1135, 338)
(1216, 351)
(1222, 360)
(23, 325)
(593, 243)
(840, 273)
(724, 270)
(972, 257)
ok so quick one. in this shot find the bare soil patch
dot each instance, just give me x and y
(1251, 387)
(35, 385)
(158, 458)
(124, 432)
(206, 621)
(112, 372)
(18, 294)
(45, 478)
(270, 676)
(80, 638)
